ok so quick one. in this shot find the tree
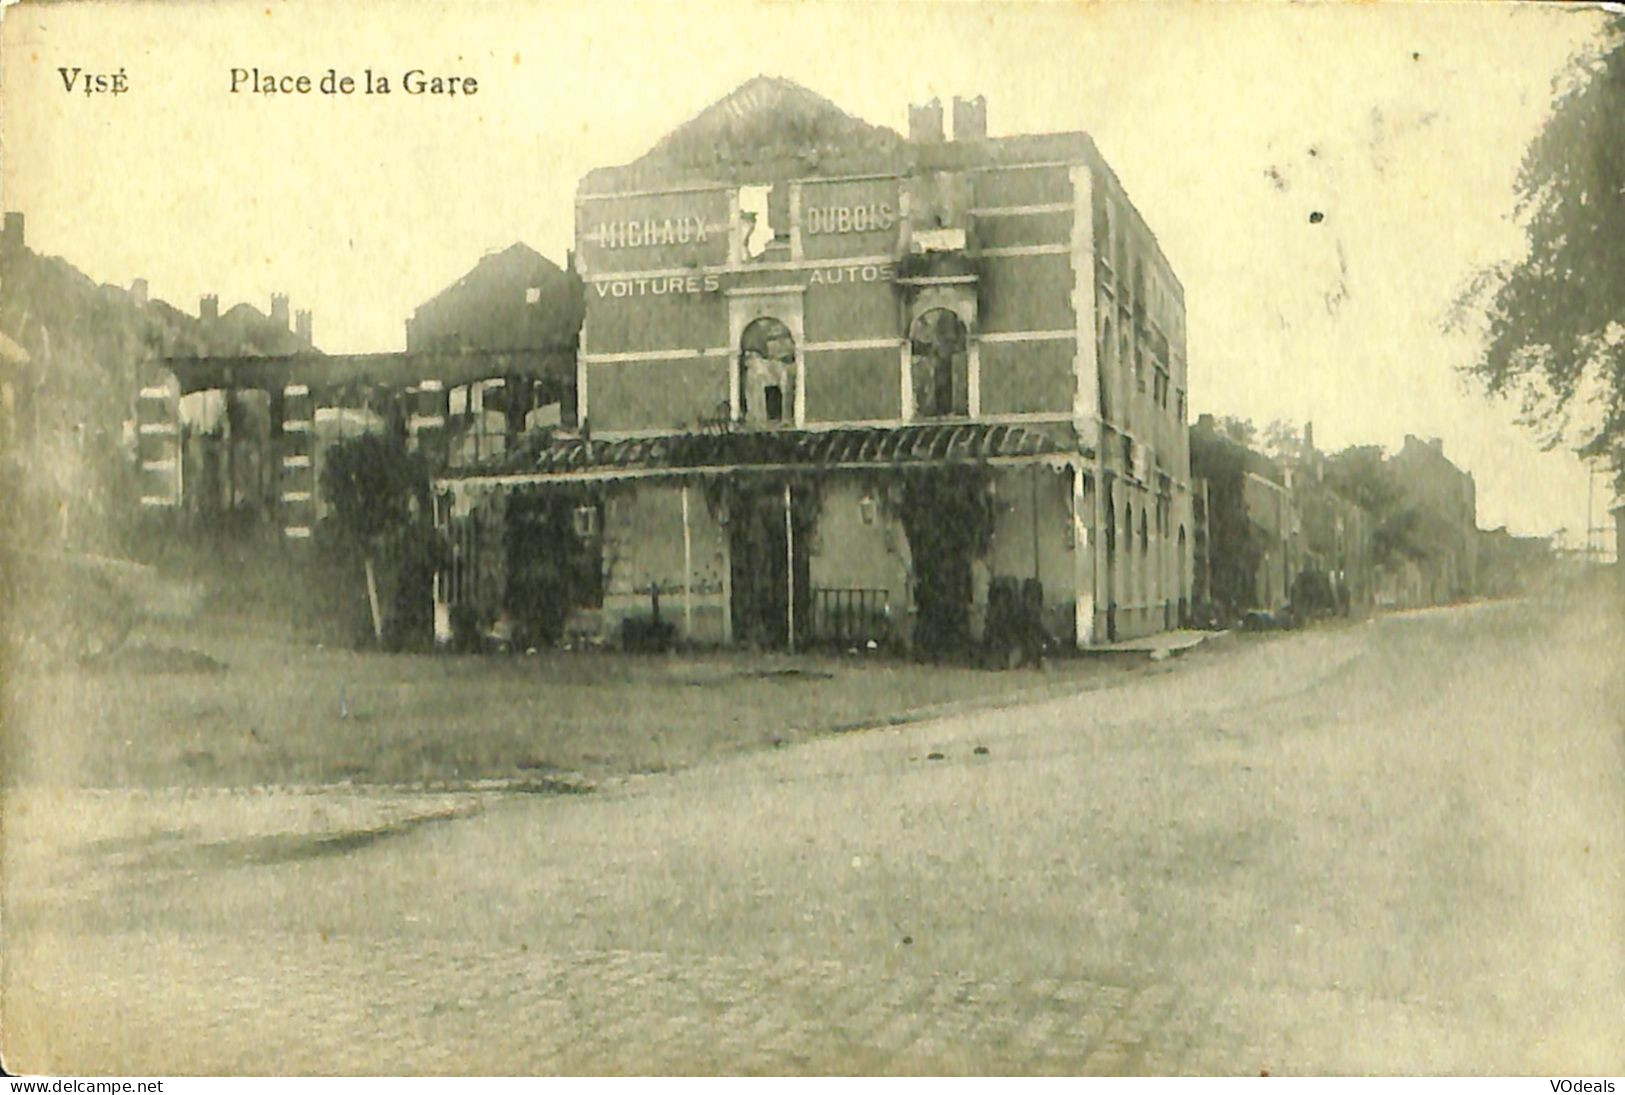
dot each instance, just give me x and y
(1282, 441)
(1235, 545)
(1240, 430)
(1556, 319)
(1361, 475)
(381, 508)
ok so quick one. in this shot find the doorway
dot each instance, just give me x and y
(767, 563)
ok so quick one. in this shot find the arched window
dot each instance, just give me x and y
(940, 364)
(767, 372)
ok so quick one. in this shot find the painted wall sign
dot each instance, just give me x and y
(658, 286)
(649, 232)
(667, 284)
(839, 275)
(824, 219)
(849, 218)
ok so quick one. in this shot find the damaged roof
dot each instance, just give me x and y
(762, 118)
(937, 443)
(771, 128)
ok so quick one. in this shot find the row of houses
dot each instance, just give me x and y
(802, 379)
(77, 358)
(1350, 531)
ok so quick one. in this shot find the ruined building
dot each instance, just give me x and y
(839, 385)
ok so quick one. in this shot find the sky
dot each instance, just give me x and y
(1402, 125)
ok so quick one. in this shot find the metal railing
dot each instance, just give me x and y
(851, 617)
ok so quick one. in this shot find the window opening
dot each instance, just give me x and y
(940, 364)
(767, 371)
(755, 219)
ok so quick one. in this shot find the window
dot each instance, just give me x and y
(940, 364)
(1125, 349)
(767, 372)
(1111, 520)
(1108, 368)
(1109, 237)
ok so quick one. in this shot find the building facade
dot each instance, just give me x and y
(1274, 532)
(1444, 501)
(838, 385)
(1250, 543)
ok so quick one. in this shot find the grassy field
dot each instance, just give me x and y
(195, 703)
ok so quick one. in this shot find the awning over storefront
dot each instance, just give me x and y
(937, 443)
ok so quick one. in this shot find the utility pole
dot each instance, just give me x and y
(789, 570)
(1591, 490)
(1597, 525)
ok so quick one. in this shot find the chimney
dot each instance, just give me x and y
(925, 123)
(138, 292)
(970, 119)
(279, 310)
(14, 233)
(301, 325)
(208, 308)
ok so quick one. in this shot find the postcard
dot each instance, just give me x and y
(805, 538)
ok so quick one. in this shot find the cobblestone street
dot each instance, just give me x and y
(303, 1004)
(1392, 847)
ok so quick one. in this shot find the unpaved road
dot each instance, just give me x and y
(1396, 847)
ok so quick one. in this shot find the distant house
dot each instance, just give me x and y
(1442, 500)
(1337, 541)
(1249, 543)
(1337, 546)
(75, 381)
(512, 301)
(1509, 565)
(228, 438)
(236, 410)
